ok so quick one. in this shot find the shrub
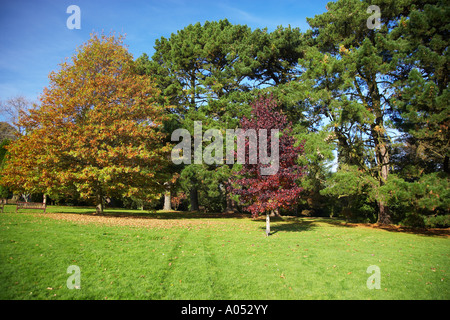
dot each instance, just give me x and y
(414, 220)
(438, 221)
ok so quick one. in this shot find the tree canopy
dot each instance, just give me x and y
(97, 130)
(369, 105)
(265, 186)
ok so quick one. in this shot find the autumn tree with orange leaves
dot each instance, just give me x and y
(96, 131)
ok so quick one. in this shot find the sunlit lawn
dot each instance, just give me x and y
(172, 255)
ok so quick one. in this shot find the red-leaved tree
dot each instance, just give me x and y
(266, 193)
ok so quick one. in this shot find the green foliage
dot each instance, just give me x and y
(438, 221)
(211, 72)
(3, 150)
(410, 202)
(317, 157)
(350, 181)
(354, 192)
(413, 219)
(210, 182)
(423, 96)
(362, 82)
(4, 191)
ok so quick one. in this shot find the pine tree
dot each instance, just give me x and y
(211, 72)
(422, 92)
(351, 71)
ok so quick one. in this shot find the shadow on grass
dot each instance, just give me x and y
(431, 232)
(292, 226)
(296, 224)
(440, 232)
(286, 224)
(301, 224)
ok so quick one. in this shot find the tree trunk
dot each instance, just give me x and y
(167, 199)
(267, 224)
(230, 204)
(193, 195)
(384, 216)
(193, 91)
(275, 213)
(99, 204)
(229, 201)
(44, 201)
(382, 156)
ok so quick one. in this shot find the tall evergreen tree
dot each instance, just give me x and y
(351, 69)
(361, 80)
(422, 93)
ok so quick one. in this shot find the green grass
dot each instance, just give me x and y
(202, 257)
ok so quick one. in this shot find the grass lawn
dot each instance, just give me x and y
(129, 254)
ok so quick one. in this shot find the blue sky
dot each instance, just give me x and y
(34, 38)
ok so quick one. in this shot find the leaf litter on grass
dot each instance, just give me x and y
(131, 221)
